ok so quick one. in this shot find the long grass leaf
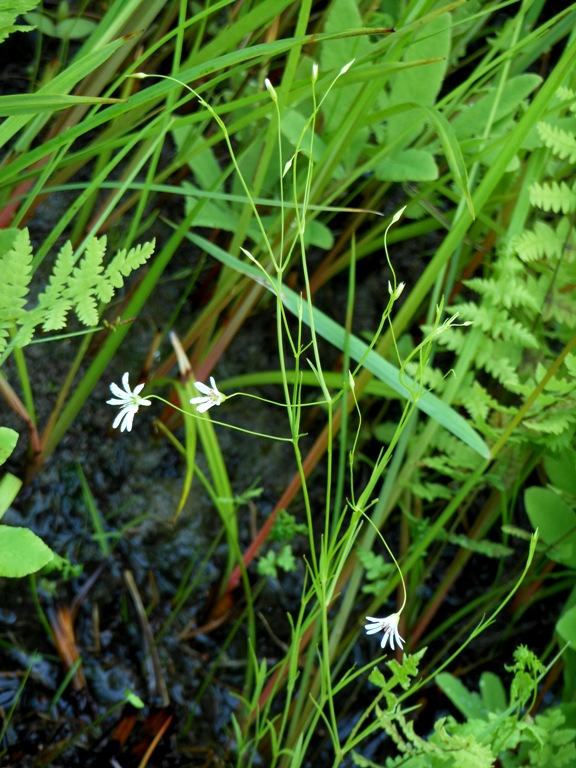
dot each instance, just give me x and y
(336, 334)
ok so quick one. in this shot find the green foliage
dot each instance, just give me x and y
(21, 551)
(9, 11)
(286, 527)
(80, 284)
(556, 520)
(553, 196)
(525, 304)
(494, 731)
(62, 24)
(272, 561)
(377, 570)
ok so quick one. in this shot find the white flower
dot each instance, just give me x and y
(389, 626)
(129, 401)
(211, 396)
(395, 293)
(271, 90)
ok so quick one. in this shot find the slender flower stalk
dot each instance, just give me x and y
(129, 401)
(211, 396)
(388, 624)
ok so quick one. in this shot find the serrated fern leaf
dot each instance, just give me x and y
(52, 303)
(16, 271)
(73, 285)
(494, 358)
(9, 12)
(541, 242)
(477, 402)
(508, 293)
(553, 423)
(121, 266)
(562, 143)
(84, 280)
(553, 196)
(464, 747)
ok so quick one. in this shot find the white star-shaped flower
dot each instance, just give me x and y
(129, 401)
(389, 626)
(211, 396)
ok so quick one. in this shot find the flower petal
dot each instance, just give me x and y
(115, 389)
(201, 387)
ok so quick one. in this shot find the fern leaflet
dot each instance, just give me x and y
(562, 143)
(553, 196)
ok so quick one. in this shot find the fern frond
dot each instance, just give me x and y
(121, 266)
(52, 303)
(562, 143)
(508, 293)
(72, 285)
(9, 12)
(553, 196)
(542, 242)
(565, 94)
(478, 402)
(84, 281)
(16, 271)
(553, 423)
(455, 742)
(494, 358)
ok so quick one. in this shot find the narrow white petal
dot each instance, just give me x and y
(116, 401)
(202, 388)
(115, 389)
(119, 418)
(128, 420)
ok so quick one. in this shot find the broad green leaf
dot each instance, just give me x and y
(556, 522)
(473, 111)
(377, 678)
(21, 552)
(334, 54)
(561, 470)
(566, 626)
(294, 127)
(420, 86)
(468, 703)
(9, 487)
(8, 440)
(408, 165)
(75, 28)
(493, 692)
